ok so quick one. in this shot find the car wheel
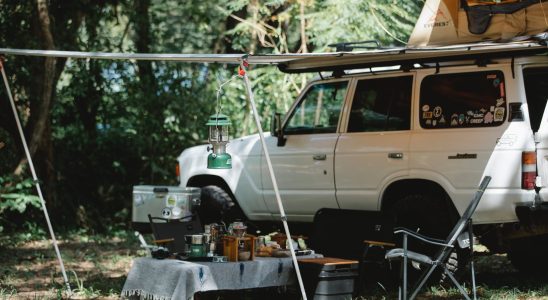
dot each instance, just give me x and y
(528, 255)
(429, 216)
(218, 206)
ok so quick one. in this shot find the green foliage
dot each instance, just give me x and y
(17, 199)
(8, 152)
(116, 124)
(388, 21)
(15, 194)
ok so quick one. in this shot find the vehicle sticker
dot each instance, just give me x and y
(501, 89)
(461, 119)
(492, 76)
(470, 113)
(454, 120)
(437, 111)
(442, 120)
(467, 118)
(488, 119)
(176, 211)
(476, 121)
(429, 122)
(166, 212)
(496, 82)
(434, 122)
(427, 115)
(426, 107)
(500, 101)
(478, 115)
(483, 110)
(499, 114)
(492, 109)
(170, 201)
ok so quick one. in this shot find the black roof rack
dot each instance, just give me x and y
(349, 46)
(409, 56)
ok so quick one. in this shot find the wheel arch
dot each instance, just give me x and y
(204, 180)
(398, 189)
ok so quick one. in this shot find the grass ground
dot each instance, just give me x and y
(97, 266)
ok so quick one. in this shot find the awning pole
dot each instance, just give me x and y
(243, 66)
(34, 177)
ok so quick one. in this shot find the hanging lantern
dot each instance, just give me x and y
(218, 137)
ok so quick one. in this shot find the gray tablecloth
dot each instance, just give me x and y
(172, 279)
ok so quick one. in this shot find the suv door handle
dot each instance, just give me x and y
(395, 155)
(319, 156)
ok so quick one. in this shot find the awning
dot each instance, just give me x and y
(317, 62)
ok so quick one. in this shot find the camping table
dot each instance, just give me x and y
(175, 279)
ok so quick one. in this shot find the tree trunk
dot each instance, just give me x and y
(40, 129)
(146, 78)
(41, 96)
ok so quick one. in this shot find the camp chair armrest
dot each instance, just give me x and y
(421, 237)
(164, 241)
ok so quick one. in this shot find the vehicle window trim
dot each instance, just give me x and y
(503, 70)
(301, 98)
(350, 100)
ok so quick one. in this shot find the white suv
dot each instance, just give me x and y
(413, 141)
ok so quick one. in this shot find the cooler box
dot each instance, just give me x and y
(328, 278)
(170, 202)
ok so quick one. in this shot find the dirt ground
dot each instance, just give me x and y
(97, 268)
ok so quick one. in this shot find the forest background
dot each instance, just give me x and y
(96, 128)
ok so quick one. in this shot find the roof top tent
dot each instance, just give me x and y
(445, 22)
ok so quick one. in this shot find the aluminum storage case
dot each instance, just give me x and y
(170, 202)
(329, 278)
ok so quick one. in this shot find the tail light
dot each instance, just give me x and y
(177, 171)
(528, 170)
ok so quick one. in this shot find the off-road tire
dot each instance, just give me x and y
(428, 214)
(218, 206)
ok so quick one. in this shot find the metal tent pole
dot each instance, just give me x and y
(34, 177)
(272, 176)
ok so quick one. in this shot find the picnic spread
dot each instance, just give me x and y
(177, 279)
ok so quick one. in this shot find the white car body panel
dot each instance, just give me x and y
(357, 169)
(304, 183)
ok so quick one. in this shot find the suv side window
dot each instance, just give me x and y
(381, 104)
(319, 109)
(463, 100)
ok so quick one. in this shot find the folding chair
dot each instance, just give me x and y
(458, 236)
(171, 233)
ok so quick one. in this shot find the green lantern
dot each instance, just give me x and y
(218, 137)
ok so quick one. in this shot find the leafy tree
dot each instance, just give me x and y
(98, 127)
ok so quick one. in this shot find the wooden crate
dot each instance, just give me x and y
(281, 239)
(231, 246)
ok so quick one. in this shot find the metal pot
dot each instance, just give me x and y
(197, 239)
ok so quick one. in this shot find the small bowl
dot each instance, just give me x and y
(244, 255)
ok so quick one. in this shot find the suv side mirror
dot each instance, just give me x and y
(276, 129)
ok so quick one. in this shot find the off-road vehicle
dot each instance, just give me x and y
(406, 132)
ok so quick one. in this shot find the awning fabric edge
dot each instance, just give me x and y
(317, 62)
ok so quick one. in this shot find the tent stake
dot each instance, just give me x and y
(273, 178)
(34, 177)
